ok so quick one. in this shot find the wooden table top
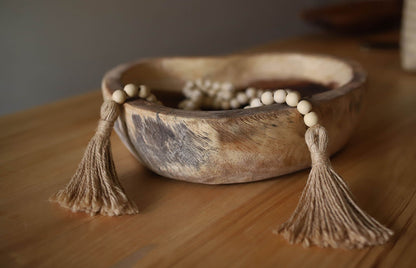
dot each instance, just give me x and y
(187, 225)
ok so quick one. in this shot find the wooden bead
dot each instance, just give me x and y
(234, 103)
(242, 98)
(255, 103)
(215, 86)
(199, 82)
(267, 98)
(189, 84)
(119, 96)
(207, 83)
(144, 91)
(187, 92)
(190, 106)
(304, 107)
(251, 92)
(310, 119)
(227, 86)
(211, 93)
(293, 98)
(187, 105)
(226, 95)
(131, 90)
(151, 98)
(196, 96)
(280, 96)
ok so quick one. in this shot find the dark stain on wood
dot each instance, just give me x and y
(161, 144)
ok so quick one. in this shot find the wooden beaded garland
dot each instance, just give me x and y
(325, 189)
(202, 94)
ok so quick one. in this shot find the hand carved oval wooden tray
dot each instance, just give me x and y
(242, 145)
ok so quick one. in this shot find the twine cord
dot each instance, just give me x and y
(327, 215)
(95, 187)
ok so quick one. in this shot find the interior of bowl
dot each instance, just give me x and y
(317, 77)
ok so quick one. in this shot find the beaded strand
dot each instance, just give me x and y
(215, 95)
(132, 91)
(206, 94)
(96, 189)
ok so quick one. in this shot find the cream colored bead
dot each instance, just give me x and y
(215, 86)
(242, 98)
(234, 103)
(151, 98)
(279, 96)
(190, 106)
(310, 119)
(255, 103)
(144, 91)
(304, 107)
(199, 83)
(207, 83)
(267, 98)
(187, 92)
(211, 92)
(189, 84)
(119, 96)
(196, 96)
(251, 92)
(187, 105)
(227, 86)
(292, 98)
(219, 95)
(131, 90)
(226, 95)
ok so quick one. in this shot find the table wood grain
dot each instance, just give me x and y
(192, 225)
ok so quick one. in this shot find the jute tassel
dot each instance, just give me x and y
(95, 188)
(327, 215)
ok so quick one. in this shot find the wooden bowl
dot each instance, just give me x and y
(242, 145)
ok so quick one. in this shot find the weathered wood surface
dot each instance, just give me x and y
(232, 146)
(193, 225)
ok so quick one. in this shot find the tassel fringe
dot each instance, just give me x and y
(327, 215)
(95, 188)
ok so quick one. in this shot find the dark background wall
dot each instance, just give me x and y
(54, 49)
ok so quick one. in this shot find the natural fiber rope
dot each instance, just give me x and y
(95, 187)
(327, 215)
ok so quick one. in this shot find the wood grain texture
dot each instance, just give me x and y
(234, 146)
(193, 225)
